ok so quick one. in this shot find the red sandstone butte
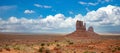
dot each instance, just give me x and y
(82, 32)
(90, 29)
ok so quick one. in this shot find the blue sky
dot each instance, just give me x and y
(59, 16)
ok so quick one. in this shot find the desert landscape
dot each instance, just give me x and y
(79, 41)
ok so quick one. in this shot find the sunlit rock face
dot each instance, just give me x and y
(80, 26)
(82, 32)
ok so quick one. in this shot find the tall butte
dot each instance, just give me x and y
(80, 26)
(82, 32)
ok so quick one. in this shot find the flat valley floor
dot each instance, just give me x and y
(57, 43)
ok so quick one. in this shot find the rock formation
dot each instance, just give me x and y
(81, 31)
(80, 26)
(90, 29)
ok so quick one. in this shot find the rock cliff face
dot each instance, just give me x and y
(80, 26)
(82, 32)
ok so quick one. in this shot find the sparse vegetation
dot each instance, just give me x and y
(113, 50)
(47, 51)
(56, 40)
(56, 48)
(7, 48)
(89, 52)
(42, 44)
(0, 49)
(85, 52)
(57, 45)
(118, 48)
(41, 49)
(70, 43)
(19, 47)
(48, 44)
(62, 46)
(93, 52)
(16, 48)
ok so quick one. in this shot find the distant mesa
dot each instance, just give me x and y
(82, 32)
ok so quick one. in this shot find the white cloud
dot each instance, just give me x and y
(40, 16)
(38, 5)
(0, 19)
(104, 16)
(81, 2)
(88, 3)
(108, 0)
(70, 12)
(87, 9)
(42, 6)
(58, 21)
(45, 6)
(70, 22)
(13, 19)
(109, 15)
(53, 21)
(29, 11)
(94, 3)
(7, 7)
(104, 1)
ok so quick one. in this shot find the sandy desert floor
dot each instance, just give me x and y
(57, 43)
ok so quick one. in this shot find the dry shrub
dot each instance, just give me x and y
(0, 49)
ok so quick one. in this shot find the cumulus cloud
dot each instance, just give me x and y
(42, 6)
(29, 11)
(104, 16)
(13, 24)
(109, 15)
(58, 22)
